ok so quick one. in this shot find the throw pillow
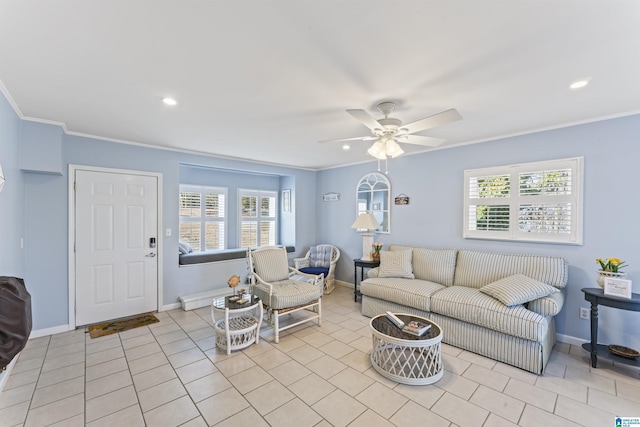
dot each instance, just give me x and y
(517, 289)
(396, 264)
(184, 248)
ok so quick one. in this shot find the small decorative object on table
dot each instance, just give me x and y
(233, 281)
(610, 267)
(416, 327)
(375, 254)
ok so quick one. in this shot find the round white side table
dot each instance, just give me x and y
(237, 326)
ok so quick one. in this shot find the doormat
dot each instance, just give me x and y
(121, 325)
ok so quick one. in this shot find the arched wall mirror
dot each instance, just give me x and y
(373, 195)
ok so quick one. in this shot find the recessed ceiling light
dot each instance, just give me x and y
(579, 84)
(346, 147)
(169, 101)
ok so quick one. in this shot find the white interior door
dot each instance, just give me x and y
(116, 217)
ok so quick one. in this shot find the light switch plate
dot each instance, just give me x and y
(167, 232)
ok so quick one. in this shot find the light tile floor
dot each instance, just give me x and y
(170, 374)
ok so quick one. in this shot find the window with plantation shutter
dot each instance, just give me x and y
(258, 218)
(203, 217)
(536, 202)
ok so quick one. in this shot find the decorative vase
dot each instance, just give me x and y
(604, 274)
(375, 255)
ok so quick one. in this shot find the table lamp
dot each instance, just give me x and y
(368, 223)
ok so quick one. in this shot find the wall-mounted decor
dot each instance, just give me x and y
(402, 199)
(286, 201)
(331, 197)
(373, 195)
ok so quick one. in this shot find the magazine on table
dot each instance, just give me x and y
(416, 327)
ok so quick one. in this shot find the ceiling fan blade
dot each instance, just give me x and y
(426, 141)
(358, 138)
(365, 118)
(432, 121)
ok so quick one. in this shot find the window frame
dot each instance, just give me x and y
(515, 200)
(259, 218)
(203, 190)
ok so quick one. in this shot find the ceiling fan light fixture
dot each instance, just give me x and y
(377, 150)
(392, 149)
(169, 101)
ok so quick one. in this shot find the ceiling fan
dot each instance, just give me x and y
(388, 132)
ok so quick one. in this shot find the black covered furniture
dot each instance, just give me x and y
(15, 318)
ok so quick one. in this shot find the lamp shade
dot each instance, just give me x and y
(366, 221)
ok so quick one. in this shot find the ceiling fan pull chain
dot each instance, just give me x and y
(378, 165)
(386, 165)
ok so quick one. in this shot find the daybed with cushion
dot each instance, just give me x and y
(501, 306)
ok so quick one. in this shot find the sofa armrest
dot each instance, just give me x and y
(547, 306)
(373, 273)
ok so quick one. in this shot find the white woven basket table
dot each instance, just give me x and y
(406, 358)
(237, 326)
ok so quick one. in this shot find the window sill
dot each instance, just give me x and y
(224, 255)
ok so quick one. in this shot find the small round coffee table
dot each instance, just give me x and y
(236, 325)
(403, 357)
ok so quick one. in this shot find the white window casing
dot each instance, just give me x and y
(257, 218)
(203, 217)
(533, 202)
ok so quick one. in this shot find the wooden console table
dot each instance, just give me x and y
(597, 297)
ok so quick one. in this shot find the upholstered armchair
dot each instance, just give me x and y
(320, 259)
(283, 289)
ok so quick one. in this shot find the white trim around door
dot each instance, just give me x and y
(72, 231)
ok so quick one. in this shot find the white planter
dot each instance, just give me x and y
(604, 274)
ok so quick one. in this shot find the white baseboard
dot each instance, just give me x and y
(202, 299)
(49, 331)
(568, 339)
(343, 283)
(168, 307)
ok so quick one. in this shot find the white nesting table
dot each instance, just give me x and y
(237, 326)
(406, 358)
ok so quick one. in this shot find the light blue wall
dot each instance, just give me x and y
(434, 183)
(47, 228)
(12, 196)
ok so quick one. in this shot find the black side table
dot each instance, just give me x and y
(597, 297)
(362, 264)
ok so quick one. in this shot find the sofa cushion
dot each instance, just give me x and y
(409, 292)
(434, 265)
(395, 264)
(472, 306)
(476, 269)
(517, 289)
(547, 306)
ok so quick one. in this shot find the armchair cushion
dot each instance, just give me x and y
(271, 264)
(320, 256)
(315, 271)
(289, 293)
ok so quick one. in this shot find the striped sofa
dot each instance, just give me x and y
(501, 306)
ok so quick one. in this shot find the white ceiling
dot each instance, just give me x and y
(266, 79)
